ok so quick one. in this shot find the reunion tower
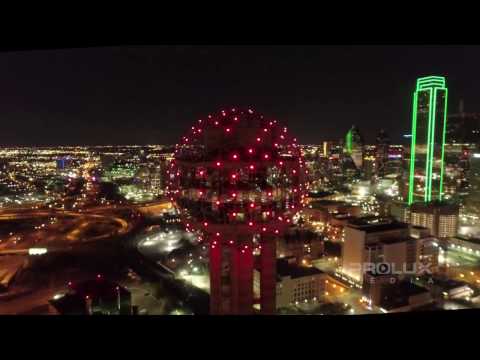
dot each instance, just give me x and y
(238, 177)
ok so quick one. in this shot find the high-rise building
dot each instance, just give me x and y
(428, 139)
(474, 177)
(354, 146)
(370, 163)
(463, 128)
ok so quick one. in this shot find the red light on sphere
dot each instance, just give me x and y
(99, 276)
(276, 231)
(69, 283)
(87, 297)
(231, 241)
(218, 234)
(294, 171)
(199, 130)
(208, 166)
(288, 220)
(282, 137)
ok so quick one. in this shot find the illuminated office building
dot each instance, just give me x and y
(370, 164)
(428, 139)
(383, 142)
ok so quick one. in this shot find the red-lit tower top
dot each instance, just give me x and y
(237, 172)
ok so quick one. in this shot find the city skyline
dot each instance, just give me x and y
(148, 94)
(319, 180)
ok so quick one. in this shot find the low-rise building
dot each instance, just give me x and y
(439, 217)
(388, 246)
(403, 296)
(301, 244)
(296, 284)
(463, 244)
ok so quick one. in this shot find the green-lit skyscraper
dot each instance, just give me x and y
(428, 140)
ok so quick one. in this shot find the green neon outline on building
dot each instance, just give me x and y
(432, 84)
(348, 141)
(412, 149)
(443, 143)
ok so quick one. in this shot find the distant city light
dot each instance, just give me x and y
(37, 251)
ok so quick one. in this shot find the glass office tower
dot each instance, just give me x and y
(428, 140)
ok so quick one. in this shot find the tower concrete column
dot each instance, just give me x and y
(268, 275)
(242, 278)
(215, 278)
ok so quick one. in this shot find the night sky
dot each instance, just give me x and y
(152, 94)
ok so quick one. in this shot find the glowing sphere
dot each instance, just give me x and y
(237, 170)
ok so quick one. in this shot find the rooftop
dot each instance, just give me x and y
(381, 225)
(285, 269)
(449, 284)
(398, 294)
(472, 240)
